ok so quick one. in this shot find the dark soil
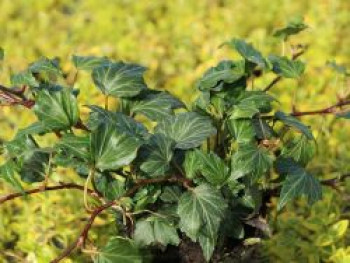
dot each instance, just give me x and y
(190, 252)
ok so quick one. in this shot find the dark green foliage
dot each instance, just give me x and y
(199, 171)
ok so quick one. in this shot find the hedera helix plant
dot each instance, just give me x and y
(198, 173)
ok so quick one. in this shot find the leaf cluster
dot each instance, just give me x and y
(207, 165)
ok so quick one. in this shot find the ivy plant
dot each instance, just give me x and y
(167, 171)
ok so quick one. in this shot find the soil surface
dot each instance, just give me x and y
(190, 252)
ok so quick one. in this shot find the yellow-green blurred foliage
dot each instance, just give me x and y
(178, 40)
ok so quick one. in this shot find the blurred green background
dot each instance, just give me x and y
(178, 40)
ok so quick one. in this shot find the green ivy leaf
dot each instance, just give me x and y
(57, 110)
(208, 245)
(88, 62)
(34, 166)
(20, 146)
(111, 188)
(146, 196)
(153, 231)
(294, 123)
(8, 174)
(121, 122)
(119, 79)
(262, 129)
(159, 155)
(252, 198)
(201, 211)
(293, 27)
(285, 165)
(299, 149)
(248, 52)
(187, 129)
(244, 111)
(251, 103)
(286, 67)
(241, 129)
(232, 225)
(213, 168)
(191, 164)
(259, 100)
(156, 106)
(75, 146)
(111, 148)
(46, 66)
(33, 129)
(119, 250)
(171, 194)
(250, 159)
(144, 233)
(202, 102)
(30, 161)
(24, 78)
(218, 106)
(226, 71)
(299, 182)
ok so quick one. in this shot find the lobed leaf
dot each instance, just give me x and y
(201, 211)
(212, 167)
(250, 159)
(259, 100)
(293, 27)
(299, 149)
(294, 123)
(89, 62)
(171, 194)
(156, 106)
(119, 250)
(248, 52)
(191, 164)
(286, 67)
(75, 146)
(111, 148)
(299, 182)
(159, 154)
(226, 71)
(111, 188)
(119, 79)
(57, 110)
(122, 122)
(46, 66)
(188, 129)
(33, 129)
(8, 174)
(154, 231)
(24, 78)
(242, 130)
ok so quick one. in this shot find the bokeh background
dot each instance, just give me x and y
(178, 40)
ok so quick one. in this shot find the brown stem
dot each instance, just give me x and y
(81, 126)
(48, 188)
(15, 92)
(84, 233)
(334, 181)
(279, 78)
(330, 110)
(139, 183)
(15, 97)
